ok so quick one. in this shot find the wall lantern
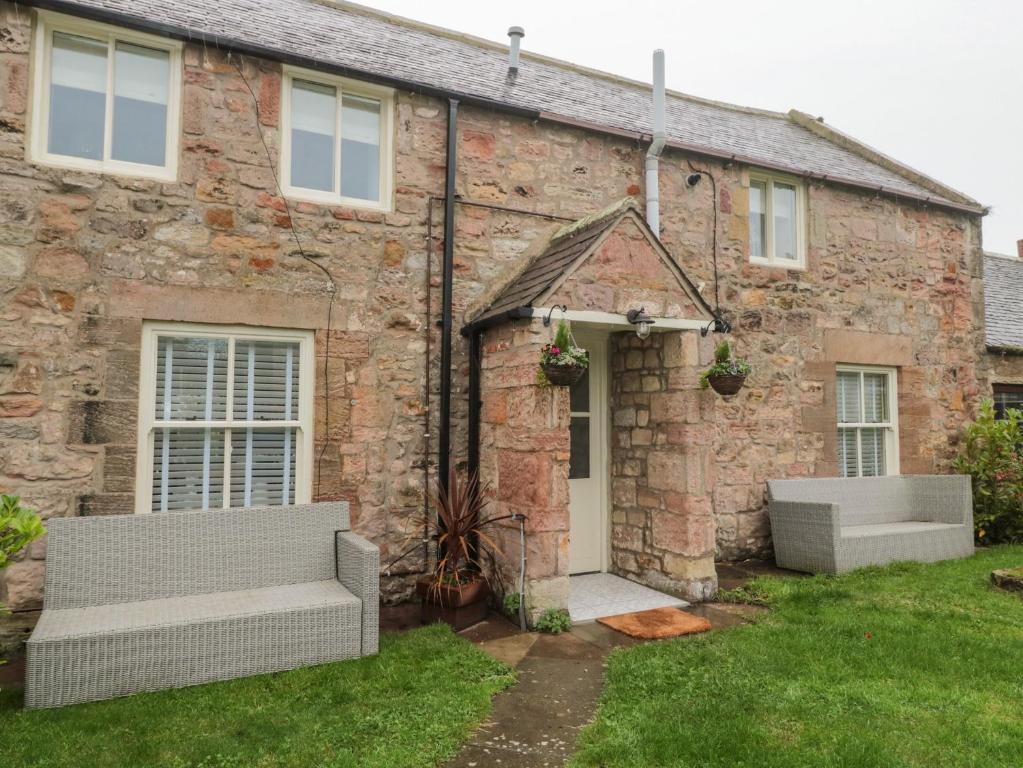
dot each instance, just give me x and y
(640, 319)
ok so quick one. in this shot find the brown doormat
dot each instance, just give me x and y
(657, 624)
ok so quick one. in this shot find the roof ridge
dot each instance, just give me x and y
(615, 209)
(818, 126)
(482, 42)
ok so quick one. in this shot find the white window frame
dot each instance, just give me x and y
(147, 422)
(39, 114)
(891, 427)
(769, 259)
(344, 86)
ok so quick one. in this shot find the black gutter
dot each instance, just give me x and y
(272, 54)
(490, 321)
(447, 284)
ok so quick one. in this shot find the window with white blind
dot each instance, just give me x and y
(225, 417)
(868, 443)
(336, 140)
(105, 99)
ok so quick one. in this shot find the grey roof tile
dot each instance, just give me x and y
(387, 47)
(1003, 301)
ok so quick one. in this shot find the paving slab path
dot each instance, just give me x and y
(534, 724)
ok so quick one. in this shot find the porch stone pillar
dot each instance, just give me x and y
(662, 464)
(524, 444)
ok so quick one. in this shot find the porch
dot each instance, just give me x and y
(615, 473)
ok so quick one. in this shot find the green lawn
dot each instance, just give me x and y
(410, 706)
(909, 665)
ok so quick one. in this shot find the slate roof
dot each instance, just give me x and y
(385, 47)
(1003, 301)
(566, 249)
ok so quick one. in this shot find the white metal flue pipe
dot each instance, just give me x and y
(653, 154)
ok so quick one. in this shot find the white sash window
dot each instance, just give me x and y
(336, 140)
(868, 424)
(225, 418)
(105, 99)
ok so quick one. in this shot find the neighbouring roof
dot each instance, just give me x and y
(567, 250)
(1003, 301)
(389, 48)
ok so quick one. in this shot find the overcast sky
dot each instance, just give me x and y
(937, 84)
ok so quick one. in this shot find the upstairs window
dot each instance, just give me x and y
(225, 418)
(868, 443)
(107, 99)
(336, 141)
(777, 228)
(1007, 396)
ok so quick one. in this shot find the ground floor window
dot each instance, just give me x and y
(1007, 396)
(225, 417)
(868, 442)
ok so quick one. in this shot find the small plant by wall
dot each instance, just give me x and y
(554, 621)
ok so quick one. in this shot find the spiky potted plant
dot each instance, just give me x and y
(457, 588)
(562, 363)
(728, 373)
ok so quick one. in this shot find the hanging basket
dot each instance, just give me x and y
(726, 386)
(563, 375)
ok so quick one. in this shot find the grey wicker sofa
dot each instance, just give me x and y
(833, 525)
(145, 602)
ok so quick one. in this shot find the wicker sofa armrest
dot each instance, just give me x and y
(358, 568)
(805, 535)
(943, 499)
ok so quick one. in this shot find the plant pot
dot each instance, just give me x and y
(562, 375)
(726, 386)
(460, 606)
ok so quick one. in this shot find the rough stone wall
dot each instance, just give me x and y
(84, 258)
(904, 280)
(663, 476)
(524, 460)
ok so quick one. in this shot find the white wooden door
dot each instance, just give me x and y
(588, 467)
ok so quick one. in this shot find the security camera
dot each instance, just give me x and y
(693, 179)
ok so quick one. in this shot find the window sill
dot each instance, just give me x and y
(293, 194)
(792, 266)
(127, 170)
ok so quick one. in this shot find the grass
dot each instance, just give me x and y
(909, 665)
(412, 705)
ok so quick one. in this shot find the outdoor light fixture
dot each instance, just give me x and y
(640, 319)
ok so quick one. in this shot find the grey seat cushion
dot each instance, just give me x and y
(892, 529)
(67, 623)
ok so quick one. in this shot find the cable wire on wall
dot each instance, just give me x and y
(304, 255)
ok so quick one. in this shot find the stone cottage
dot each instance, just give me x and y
(268, 252)
(1003, 305)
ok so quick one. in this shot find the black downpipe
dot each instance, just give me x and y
(475, 399)
(447, 278)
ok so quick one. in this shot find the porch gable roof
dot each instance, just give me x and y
(569, 249)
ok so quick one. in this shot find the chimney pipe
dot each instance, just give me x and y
(1019, 249)
(516, 34)
(653, 155)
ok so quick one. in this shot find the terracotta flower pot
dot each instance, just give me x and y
(459, 606)
(563, 375)
(726, 386)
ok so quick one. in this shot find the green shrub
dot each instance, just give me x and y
(19, 527)
(554, 621)
(992, 454)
